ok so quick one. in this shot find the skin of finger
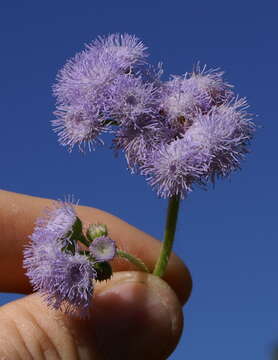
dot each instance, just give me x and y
(30, 330)
(18, 214)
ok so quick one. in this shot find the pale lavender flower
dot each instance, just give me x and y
(85, 88)
(39, 257)
(72, 286)
(183, 97)
(135, 108)
(132, 99)
(85, 78)
(227, 132)
(58, 219)
(146, 136)
(138, 140)
(83, 98)
(103, 248)
(179, 100)
(79, 126)
(173, 169)
(211, 83)
(124, 48)
(49, 237)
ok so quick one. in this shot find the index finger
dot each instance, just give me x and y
(18, 214)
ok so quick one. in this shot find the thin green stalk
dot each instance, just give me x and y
(134, 260)
(169, 235)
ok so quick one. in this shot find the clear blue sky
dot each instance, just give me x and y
(227, 235)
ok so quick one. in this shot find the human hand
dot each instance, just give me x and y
(135, 315)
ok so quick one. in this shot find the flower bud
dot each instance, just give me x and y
(103, 249)
(96, 231)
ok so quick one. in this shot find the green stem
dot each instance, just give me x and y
(134, 260)
(169, 235)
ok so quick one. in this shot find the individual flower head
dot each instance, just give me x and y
(184, 97)
(138, 140)
(83, 98)
(72, 287)
(50, 235)
(227, 129)
(178, 101)
(103, 249)
(175, 167)
(210, 86)
(79, 126)
(58, 219)
(84, 77)
(133, 100)
(40, 256)
(135, 107)
(124, 48)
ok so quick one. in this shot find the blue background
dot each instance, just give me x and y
(227, 235)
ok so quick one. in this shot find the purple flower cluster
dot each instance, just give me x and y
(184, 131)
(89, 83)
(56, 265)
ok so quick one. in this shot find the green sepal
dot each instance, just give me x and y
(75, 235)
(76, 228)
(104, 271)
(69, 247)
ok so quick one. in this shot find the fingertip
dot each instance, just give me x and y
(138, 315)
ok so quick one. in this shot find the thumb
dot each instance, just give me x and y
(134, 316)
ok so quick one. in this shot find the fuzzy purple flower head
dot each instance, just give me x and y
(173, 169)
(125, 49)
(83, 99)
(185, 96)
(133, 100)
(58, 219)
(78, 125)
(72, 284)
(39, 257)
